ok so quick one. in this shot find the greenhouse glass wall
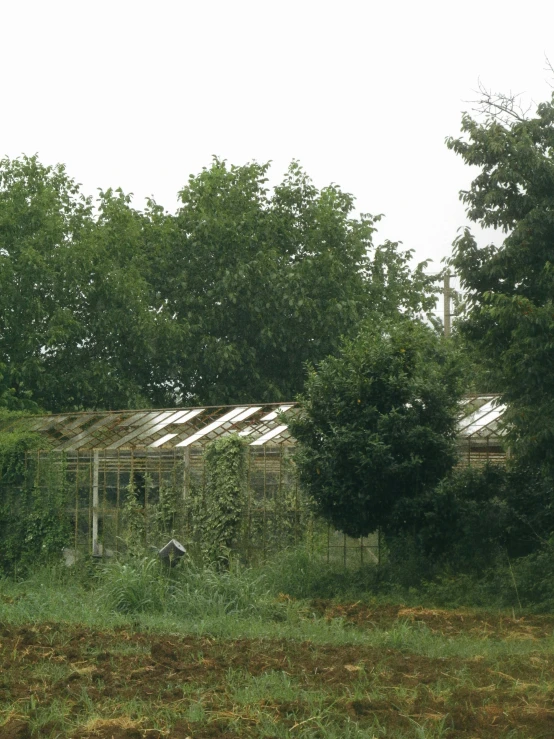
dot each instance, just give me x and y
(124, 479)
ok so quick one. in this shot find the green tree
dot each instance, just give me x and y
(42, 214)
(8, 398)
(377, 426)
(262, 282)
(79, 323)
(109, 337)
(106, 306)
(510, 287)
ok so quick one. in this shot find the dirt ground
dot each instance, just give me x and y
(439, 621)
(58, 680)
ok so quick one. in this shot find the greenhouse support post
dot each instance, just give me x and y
(186, 471)
(95, 503)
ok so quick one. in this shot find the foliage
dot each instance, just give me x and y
(145, 585)
(78, 327)
(13, 446)
(34, 525)
(267, 281)
(510, 288)
(137, 586)
(111, 341)
(408, 576)
(47, 523)
(210, 521)
(377, 427)
(501, 582)
(151, 515)
(169, 511)
(134, 526)
(467, 518)
(215, 513)
(41, 214)
(302, 572)
(106, 306)
(476, 512)
(534, 576)
(218, 510)
(9, 399)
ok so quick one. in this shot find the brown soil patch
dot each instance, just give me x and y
(15, 729)
(79, 667)
(448, 623)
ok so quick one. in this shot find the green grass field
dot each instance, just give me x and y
(135, 652)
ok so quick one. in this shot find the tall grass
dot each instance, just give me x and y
(205, 598)
(188, 590)
(134, 586)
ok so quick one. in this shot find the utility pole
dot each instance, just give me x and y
(446, 297)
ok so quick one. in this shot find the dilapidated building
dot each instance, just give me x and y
(111, 466)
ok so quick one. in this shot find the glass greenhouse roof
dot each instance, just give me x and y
(155, 429)
(481, 418)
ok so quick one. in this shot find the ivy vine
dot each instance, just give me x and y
(34, 524)
(218, 510)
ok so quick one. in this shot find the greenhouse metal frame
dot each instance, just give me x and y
(102, 454)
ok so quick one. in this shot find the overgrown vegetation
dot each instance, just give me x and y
(134, 649)
(218, 511)
(481, 535)
(34, 526)
(509, 287)
(277, 592)
(376, 449)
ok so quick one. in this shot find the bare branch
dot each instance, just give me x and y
(549, 68)
(506, 108)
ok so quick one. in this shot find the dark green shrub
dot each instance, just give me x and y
(534, 577)
(34, 526)
(466, 519)
(476, 515)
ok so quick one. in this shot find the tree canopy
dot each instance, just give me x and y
(106, 306)
(77, 328)
(377, 426)
(510, 287)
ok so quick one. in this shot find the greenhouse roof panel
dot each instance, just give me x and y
(481, 417)
(152, 429)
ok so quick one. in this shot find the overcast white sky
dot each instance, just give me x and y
(139, 95)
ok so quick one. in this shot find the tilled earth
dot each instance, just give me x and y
(58, 680)
(446, 622)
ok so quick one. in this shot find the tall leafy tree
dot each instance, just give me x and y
(377, 426)
(110, 341)
(9, 400)
(510, 287)
(106, 306)
(42, 215)
(78, 324)
(265, 281)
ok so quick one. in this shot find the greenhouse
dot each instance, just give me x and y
(482, 430)
(220, 478)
